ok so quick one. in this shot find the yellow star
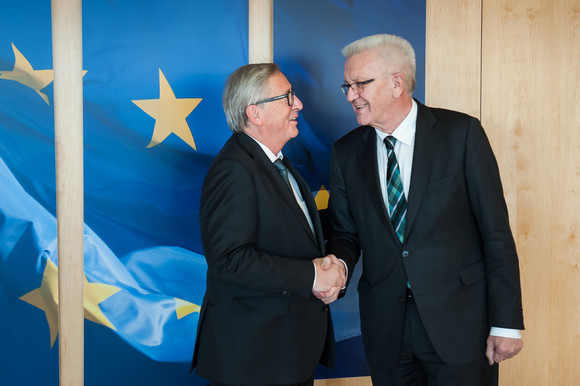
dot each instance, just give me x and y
(46, 298)
(169, 114)
(95, 293)
(25, 74)
(322, 198)
(184, 308)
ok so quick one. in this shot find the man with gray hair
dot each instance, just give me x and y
(418, 191)
(265, 318)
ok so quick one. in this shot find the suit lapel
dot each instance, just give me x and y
(367, 154)
(287, 197)
(308, 198)
(426, 141)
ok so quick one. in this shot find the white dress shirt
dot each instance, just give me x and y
(405, 136)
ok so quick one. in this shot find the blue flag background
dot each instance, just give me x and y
(152, 124)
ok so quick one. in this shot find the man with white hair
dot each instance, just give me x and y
(418, 191)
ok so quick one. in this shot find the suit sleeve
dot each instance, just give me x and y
(488, 203)
(229, 216)
(344, 240)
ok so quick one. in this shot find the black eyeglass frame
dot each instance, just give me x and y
(360, 86)
(289, 98)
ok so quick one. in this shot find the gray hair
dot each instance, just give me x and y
(244, 87)
(396, 51)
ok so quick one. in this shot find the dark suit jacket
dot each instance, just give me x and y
(259, 322)
(459, 254)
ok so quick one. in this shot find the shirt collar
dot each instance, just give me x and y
(271, 156)
(406, 129)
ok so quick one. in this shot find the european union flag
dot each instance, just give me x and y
(153, 122)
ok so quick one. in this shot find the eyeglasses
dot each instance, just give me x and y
(289, 97)
(357, 87)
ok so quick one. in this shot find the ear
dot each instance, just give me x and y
(254, 115)
(398, 84)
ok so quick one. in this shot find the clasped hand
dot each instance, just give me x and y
(330, 278)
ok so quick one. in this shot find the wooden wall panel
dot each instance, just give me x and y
(453, 55)
(531, 111)
(530, 108)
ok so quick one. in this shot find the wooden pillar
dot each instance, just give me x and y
(68, 125)
(261, 31)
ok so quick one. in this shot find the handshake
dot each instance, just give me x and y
(330, 278)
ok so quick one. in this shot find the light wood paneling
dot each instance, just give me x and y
(531, 111)
(453, 55)
(530, 108)
(359, 381)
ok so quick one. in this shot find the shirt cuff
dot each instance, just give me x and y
(314, 284)
(506, 333)
(346, 270)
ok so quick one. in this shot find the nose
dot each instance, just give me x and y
(297, 104)
(351, 95)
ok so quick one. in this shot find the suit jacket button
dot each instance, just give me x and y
(286, 293)
(325, 308)
(401, 300)
(405, 254)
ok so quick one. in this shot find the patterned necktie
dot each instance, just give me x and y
(283, 172)
(397, 203)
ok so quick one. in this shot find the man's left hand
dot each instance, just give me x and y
(500, 348)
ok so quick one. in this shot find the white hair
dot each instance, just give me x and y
(244, 87)
(397, 52)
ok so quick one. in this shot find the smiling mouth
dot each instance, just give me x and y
(358, 107)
